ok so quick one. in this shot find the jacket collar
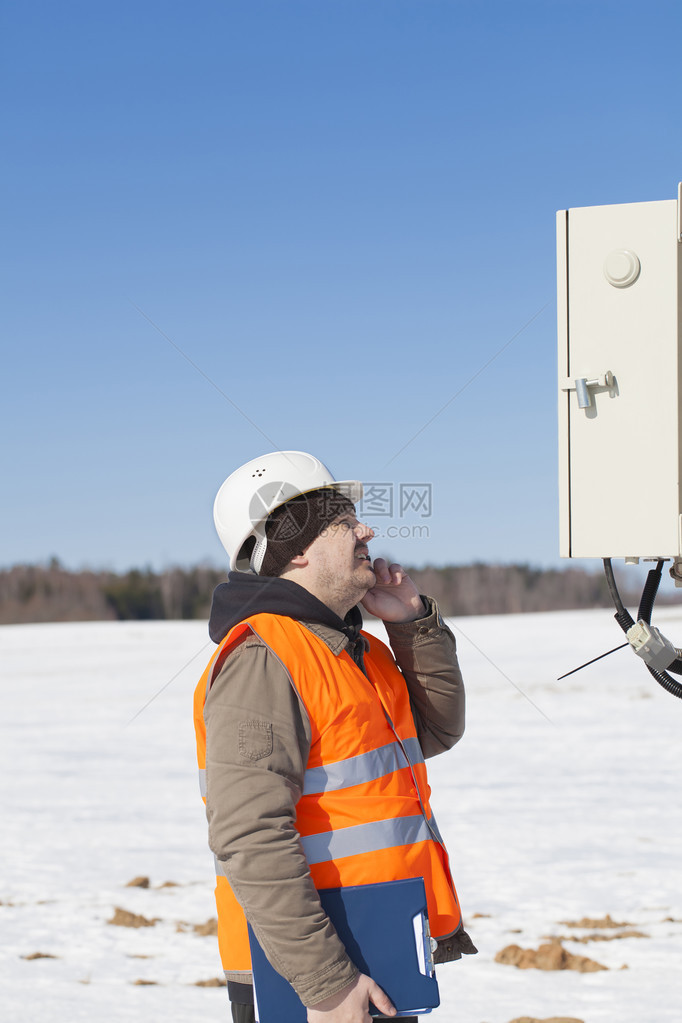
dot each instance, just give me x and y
(244, 595)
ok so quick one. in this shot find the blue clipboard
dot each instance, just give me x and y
(385, 930)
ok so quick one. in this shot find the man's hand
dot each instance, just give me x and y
(351, 1004)
(394, 597)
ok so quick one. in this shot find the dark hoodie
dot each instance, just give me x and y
(244, 595)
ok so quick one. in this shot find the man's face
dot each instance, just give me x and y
(341, 558)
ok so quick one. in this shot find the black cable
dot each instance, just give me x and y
(646, 604)
(626, 621)
(671, 685)
(622, 616)
(587, 663)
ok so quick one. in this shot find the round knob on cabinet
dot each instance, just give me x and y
(621, 268)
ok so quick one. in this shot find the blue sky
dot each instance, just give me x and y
(334, 213)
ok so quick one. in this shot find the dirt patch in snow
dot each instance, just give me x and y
(583, 939)
(213, 982)
(40, 955)
(551, 956)
(209, 929)
(550, 1019)
(590, 923)
(145, 882)
(122, 918)
(138, 882)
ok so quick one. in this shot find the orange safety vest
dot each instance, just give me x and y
(364, 814)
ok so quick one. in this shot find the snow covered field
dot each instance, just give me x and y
(561, 803)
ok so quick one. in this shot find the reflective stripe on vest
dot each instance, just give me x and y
(364, 838)
(363, 767)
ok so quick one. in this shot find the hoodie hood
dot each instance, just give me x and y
(244, 595)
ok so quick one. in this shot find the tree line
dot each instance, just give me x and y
(52, 593)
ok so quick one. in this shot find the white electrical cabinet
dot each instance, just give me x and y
(619, 277)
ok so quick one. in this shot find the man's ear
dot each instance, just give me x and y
(299, 560)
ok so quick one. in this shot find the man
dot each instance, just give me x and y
(313, 734)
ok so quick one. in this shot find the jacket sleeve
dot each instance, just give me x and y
(425, 651)
(257, 744)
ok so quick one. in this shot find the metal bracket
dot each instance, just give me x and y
(676, 572)
(581, 386)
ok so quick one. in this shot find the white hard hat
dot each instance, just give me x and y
(253, 491)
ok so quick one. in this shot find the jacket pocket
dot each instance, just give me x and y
(255, 739)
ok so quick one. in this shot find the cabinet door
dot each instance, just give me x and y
(619, 335)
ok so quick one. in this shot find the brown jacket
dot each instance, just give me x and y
(251, 799)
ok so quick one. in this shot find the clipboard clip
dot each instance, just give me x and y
(424, 944)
